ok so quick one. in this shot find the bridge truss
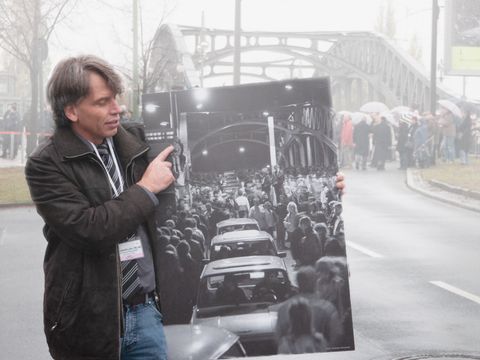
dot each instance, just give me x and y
(363, 66)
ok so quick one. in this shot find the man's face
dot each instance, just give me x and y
(96, 116)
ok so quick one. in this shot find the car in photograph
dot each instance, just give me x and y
(237, 294)
(200, 342)
(242, 243)
(235, 224)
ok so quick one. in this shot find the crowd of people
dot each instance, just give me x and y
(300, 208)
(420, 140)
(9, 124)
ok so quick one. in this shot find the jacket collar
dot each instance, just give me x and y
(71, 146)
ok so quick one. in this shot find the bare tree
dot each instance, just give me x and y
(25, 28)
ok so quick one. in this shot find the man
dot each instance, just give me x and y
(361, 140)
(11, 123)
(335, 221)
(278, 179)
(403, 145)
(449, 133)
(195, 247)
(242, 204)
(229, 293)
(197, 234)
(257, 212)
(382, 140)
(310, 244)
(325, 317)
(271, 284)
(93, 187)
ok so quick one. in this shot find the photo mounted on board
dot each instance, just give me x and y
(254, 227)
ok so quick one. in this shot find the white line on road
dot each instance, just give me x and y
(457, 291)
(364, 250)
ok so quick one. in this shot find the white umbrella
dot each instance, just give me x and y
(402, 109)
(450, 106)
(374, 107)
(358, 116)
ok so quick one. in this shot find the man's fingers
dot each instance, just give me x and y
(163, 155)
(167, 164)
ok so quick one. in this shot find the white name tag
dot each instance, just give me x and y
(131, 250)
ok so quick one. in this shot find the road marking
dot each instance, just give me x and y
(457, 291)
(364, 250)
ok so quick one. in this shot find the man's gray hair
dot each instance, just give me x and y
(69, 83)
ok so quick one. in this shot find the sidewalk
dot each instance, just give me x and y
(442, 192)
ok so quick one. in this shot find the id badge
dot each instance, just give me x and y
(131, 249)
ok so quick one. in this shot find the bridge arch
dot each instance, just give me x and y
(364, 66)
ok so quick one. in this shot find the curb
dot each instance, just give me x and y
(455, 189)
(16, 205)
(413, 184)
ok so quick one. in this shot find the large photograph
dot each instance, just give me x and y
(254, 223)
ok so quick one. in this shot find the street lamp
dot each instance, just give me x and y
(433, 63)
(236, 54)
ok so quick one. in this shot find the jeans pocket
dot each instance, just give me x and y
(153, 308)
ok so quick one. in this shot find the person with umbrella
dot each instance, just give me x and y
(465, 137)
(402, 140)
(346, 141)
(382, 141)
(448, 131)
(361, 143)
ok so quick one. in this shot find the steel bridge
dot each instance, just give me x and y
(363, 66)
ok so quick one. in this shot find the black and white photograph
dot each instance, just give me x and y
(255, 222)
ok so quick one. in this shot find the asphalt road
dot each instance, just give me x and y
(414, 266)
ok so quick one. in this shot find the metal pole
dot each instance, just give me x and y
(236, 54)
(271, 140)
(433, 64)
(135, 99)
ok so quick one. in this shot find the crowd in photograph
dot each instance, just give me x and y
(300, 209)
(415, 139)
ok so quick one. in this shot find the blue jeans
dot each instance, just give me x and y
(144, 337)
(449, 148)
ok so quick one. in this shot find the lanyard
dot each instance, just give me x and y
(115, 163)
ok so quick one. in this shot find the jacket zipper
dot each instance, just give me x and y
(60, 305)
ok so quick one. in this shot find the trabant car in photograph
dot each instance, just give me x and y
(236, 294)
(200, 342)
(234, 224)
(242, 243)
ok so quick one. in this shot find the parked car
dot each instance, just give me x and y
(236, 294)
(243, 243)
(234, 224)
(200, 342)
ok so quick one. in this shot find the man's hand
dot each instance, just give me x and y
(340, 183)
(158, 176)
